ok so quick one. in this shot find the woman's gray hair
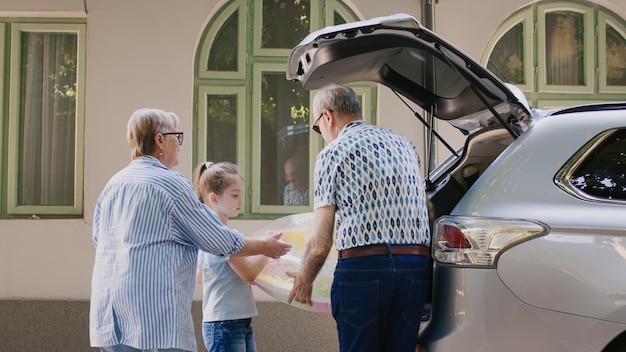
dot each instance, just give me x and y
(143, 125)
(341, 100)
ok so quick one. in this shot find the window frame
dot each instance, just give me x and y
(201, 132)
(526, 19)
(367, 93)
(256, 207)
(3, 188)
(257, 50)
(14, 119)
(253, 61)
(589, 63)
(221, 18)
(605, 19)
(537, 93)
(343, 9)
(563, 177)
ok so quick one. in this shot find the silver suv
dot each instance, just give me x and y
(529, 245)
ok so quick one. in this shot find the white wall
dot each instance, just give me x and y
(27, 8)
(140, 53)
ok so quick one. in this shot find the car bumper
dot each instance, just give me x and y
(474, 311)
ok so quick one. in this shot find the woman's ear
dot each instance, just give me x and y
(158, 140)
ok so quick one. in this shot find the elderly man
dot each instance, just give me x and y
(368, 184)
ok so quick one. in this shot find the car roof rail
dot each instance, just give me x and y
(605, 106)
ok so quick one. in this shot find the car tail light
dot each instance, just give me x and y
(479, 241)
(454, 238)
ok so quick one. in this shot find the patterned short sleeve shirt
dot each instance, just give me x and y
(372, 175)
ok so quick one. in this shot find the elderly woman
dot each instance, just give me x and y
(147, 228)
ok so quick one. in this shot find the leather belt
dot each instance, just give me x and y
(379, 249)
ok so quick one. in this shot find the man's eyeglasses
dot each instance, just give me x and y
(315, 127)
(178, 135)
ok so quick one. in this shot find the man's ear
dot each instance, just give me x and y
(331, 120)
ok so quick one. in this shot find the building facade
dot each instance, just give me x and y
(73, 71)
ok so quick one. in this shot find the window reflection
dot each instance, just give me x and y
(506, 60)
(223, 54)
(602, 173)
(48, 118)
(564, 48)
(615, 58)
(284, 135)
(285, 23)
(338, 19)
(222, 128)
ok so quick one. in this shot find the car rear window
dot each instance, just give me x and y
(602, 172)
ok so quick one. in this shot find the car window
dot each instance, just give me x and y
(601, 174)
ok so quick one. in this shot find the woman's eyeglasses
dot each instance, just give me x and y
(179, 136)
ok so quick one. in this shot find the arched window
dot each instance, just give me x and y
(246, 110)
(561, 53)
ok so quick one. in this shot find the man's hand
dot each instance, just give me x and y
(301, 290)
(316, 250)
(273, 247)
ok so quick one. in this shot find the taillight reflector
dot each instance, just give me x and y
(455, 238)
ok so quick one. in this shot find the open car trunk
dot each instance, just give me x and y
(447, 183)
(419, 66)
(416, 64)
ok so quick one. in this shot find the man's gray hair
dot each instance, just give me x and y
(341, 100)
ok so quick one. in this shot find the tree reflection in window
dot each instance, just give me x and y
(285, 23)
(602, 173)
(48, 118)
(338, 19)
(279, 106)
(222, 128)
(507, 58)
(223, 54)
(284, 132)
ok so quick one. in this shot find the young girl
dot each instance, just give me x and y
(228, 304)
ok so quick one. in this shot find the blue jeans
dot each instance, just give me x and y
(377, 302)
(229, 336)
(124, 348)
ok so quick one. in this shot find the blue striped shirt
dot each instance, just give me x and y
(147, 229)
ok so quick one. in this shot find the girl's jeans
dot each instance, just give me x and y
(229, 336)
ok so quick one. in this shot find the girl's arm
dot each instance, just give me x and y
(248, 268)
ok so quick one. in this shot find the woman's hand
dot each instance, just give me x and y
(273, 247)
